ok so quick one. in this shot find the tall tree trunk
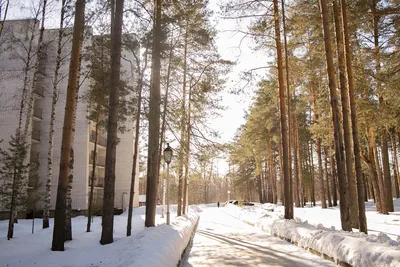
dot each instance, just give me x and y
(289, 110)
(333, 178)
(282, 182)
(282, 105)
(47, 196)
(68, 211)
(154, 121)
(299, 162)
(320, 174)
(136, 145)
(387, 189)
(382, 197)
(59, 220)
(11, 219)
(187, 158)
(362, 220)
(369, 161)
(272, 170)
(328, 193)
(182, 126)
(318, 150)
(39, 55)
(112, 125)
(339, 150)
(89, 220)
(395, 164)
(296, 165)
(345, 112)
(312, 175)
(27, 67)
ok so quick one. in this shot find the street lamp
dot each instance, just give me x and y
(168, 157)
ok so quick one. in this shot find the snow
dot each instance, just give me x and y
(319, 230)
(313, 229)
(222, 240)
(155, 246)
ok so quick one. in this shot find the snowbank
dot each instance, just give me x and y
(164, 244)
(356, 249)
(155, 246)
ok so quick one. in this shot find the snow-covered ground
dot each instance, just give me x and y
(319, 229)
(156, 246)
(313, 228)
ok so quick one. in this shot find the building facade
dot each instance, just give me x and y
(15, 59)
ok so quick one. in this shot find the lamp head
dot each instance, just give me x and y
(168, 154)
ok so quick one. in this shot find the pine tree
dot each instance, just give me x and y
(112, 126)
(59, 220)
(154, 120)
(14, 173)
(339, 151)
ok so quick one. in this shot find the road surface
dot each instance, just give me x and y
(222, 240)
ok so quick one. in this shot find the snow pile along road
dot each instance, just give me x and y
(164, 245)
(356, 249)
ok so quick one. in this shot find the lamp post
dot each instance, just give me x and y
(168, 158)
(229, 192)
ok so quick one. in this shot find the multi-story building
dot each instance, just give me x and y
(18, 44)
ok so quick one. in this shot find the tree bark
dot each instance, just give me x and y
(333, 180)
(154, 121)
(345, 112)
(182, 126)
(319, 157)
(136, 145)
(374, 150)
(47, 196)
(187, 158)
(328, 193)
(312, 176)
(362, 220)
(289, 112)
(282, 104)
(374, 179)
(89, 220)
(387, 189)
(112, 125)
(39, 55)
(395, 165)
(59, 220)
(339, 150)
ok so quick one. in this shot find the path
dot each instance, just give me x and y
(222, 240)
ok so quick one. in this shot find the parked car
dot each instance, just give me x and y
(246, 203)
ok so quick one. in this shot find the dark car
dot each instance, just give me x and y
(246, 203)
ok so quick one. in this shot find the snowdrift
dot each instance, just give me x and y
(356, 249)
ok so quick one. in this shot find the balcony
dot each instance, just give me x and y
(100, 161)
(101, 140)
(98, 181)
(37, 113)
(34, 157)
(39, 92)
(36, 135)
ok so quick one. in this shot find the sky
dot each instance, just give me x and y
(233, 46)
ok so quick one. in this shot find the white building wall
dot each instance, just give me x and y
(14, 45)
(10, 81)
